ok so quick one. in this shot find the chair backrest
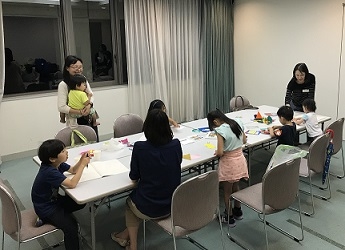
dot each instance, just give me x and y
(195, 201)
(37, 87)
(280, 185)
(65, 135)
(11, 217)
(318, 152)
(128, 124)
(337, 127)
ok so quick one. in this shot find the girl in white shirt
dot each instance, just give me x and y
(310, 120)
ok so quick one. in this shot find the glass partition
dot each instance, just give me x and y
(37, 35)
(33, 57)
(93, 39)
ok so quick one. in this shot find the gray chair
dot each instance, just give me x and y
(19, 225)
(195, 203)
(277, 191)
(337, 127)
(313, 166)
(65, 135)
(128, 124)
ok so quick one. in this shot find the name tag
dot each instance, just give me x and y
(305, 90)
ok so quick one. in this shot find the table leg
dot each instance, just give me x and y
(92, 224)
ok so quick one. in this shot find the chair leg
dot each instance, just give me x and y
(108, 202)
(263, 219)
(300, 218)
(3, 240)
(228, 234)
(328, 185)
(144, 227)
(221, 228)
(342, 156)
(236, 241)
(18, 240)
(311, 197)
(343, 174)
(173, 235)
(265, 223)
(195, 243)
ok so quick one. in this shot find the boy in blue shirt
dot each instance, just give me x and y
(50, 206)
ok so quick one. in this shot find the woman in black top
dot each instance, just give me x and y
(156, 166)
(300, 87)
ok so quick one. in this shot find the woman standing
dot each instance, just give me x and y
(300, 87)
(73, 65)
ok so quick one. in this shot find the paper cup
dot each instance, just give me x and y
(97, 155)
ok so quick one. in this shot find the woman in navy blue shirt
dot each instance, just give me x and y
(156, 166)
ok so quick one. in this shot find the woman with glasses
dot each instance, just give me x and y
(73, 65)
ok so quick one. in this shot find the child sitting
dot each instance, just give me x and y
(158, 104)
(309, 118)
(78, 97)
(286, 133)
(49, 205)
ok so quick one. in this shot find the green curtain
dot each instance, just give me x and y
(218, 54)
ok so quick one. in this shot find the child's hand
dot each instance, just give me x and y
(266, 131)
(219, 154)
(86, 110)
(175, 124)
(271, 131)
(85, 159)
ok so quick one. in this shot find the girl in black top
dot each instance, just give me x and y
(300, 87)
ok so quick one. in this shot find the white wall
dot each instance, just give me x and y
(271, 36)
(26, 123)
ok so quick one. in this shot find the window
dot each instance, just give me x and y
(33, 51)
(34, 41)
(92, 35)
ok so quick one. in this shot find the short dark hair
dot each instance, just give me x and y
(76, 80)
(69, 60)
(8, 56)
(285, 112)
(157, 128)
(217, 114)
(50, 149)
(156, 104)
(309, 104)
(302, 67)
(103, 47)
